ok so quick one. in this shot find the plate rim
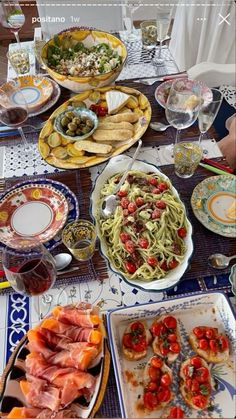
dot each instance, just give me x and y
(51, 102)
(36, 105)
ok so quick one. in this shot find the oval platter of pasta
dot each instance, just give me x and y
(148, 239)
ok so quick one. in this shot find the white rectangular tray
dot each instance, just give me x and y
(210, 309)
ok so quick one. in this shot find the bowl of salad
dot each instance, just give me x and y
(81, 58)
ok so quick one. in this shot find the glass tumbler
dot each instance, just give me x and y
(80, 238)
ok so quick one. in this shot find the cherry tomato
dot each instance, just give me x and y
(170, 322)
(152, 261)
(173, 263)
(129, 246)
(161, 204)
(132, 207)
(93, 107)
(202, 374)
(213, 345)
(156, 214)
(139, 201)
(152, 386)
(223, 342)
(165, 379)
(199, 332)
(203, 344)
(156, 191)
(176, 413)
(124, 202)
(188, 383)
(163, 394)
(193, 385)
(182, 232)
(150, 400)
(158, 329)
(172, 337)
(175, 347)
(163, 186)
(210, 333)
(199, 401)
(122, 192)
(156, 362)
(143, 243)
(102, 111)
(140, 345)
(124, 237)
(130, 267)
(127, 340)
(153, 181)
(186, 371)
(164, 349)
(196, 362)
(154, 373)
(137, 327)
(163, 265)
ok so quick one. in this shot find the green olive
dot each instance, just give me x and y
(76, 120)
(70, 115)
(72, 127)
(64, 121)
(84, 118)
(85, 130)
(79, 132)
(89, 123)
(70, 133)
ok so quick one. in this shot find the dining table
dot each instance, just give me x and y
(93, 281)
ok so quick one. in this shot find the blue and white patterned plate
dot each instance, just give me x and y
(210, 309)
(73, 213)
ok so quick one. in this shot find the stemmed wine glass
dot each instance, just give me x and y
(208, 112)
(13, 109)
(132, 33)
(183, 103)
(12, 17)
(163, 23)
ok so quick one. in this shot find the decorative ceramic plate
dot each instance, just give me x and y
(211, 309)
(36, 90)
(162, 91)
(173, 276)
(34, 210)
(61, 152)
(51, 102)
(232, 279)
(210, 200)
(72, 201)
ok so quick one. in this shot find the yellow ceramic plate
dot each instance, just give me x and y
(62, 153)
(37, 91)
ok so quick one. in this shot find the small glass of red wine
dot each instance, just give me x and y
(13, 109)
(30, 271)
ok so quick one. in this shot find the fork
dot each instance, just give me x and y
(150, 81)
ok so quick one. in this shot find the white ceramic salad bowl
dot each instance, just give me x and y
(116, 165)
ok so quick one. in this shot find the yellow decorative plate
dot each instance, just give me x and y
(69, 154)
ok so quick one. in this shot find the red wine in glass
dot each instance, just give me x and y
(35, 276)
(14, 117)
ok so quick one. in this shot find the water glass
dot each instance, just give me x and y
(149, 34)
(163, 22)
(80, 238)
(208, 111)
(19, 59)
(187, 156)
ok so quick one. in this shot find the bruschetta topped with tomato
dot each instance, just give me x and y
(196, 383)
(172, 412)
(210, 344)
(136, 340)
(166, 342)
(157, 380)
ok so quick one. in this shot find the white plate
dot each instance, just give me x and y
(115, 165)
(212, 309)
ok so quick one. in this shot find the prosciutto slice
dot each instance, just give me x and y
(76, 316)
(39, 393)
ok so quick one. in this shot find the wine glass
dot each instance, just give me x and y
(208, 112)
(12, 17)
(163, 23)
(31, 270)
(13, 109)
(183, 103)
(132, 34)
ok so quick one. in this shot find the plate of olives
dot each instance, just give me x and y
(76, 123)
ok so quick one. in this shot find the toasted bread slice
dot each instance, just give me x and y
(130, 353)
(185, 391)
(124, 116)
(146, 379)
(208, 354)
(171, 356)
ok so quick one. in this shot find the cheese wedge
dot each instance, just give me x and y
(115, 101)
(231, 211)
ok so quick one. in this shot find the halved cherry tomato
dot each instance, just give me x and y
(176, 413)
(210, 333)
(196, 361)
(154, 373)
(156, 191)
(182, 232)
(156, 214)
(199, 401)
(164, 349)
(199, 332)
(150, 400)
(143, 243)
(132, 207)
(173, 263)
(124, 202)
(129, 246)
(153, 181)
(152, 386)
(203, 344)
(130, 267)
(161, 204)
(122, 192)
(127, 340)
(175, 347)
(163, 186)
(163, 394)
(152, 261)
(170, 322)
(202, 374)
(140, 345)
(165, 379)
(223, 342)
(139, 201)
(124, 237)
(163, 265)
(172, 337)
(192, 384)
(158, 329)
(137, 327)
(156, 362)
(213, 345)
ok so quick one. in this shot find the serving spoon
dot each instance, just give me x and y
(219, 261)
(62, 260)
(110, 202)
(158, 126)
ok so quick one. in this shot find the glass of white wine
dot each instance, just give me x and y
(163, 23)
(208, 112)
(12, 17)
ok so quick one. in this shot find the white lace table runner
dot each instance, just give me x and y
(229, 93)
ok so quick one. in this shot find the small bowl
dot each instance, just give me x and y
(79, 112)
(232, 279)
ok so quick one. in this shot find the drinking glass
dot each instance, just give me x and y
(12, 17)
(149, 33)
(187, 156)
(208, 112)
(80, 239)
(31, 270)
(132, 33)
(20, 61)
(183, 103)
(13, 109)
(163, 23)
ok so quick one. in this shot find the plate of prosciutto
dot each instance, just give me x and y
(60, 369)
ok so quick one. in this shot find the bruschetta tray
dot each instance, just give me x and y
(211, 310)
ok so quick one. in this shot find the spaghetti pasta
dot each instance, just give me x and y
(145, 236)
